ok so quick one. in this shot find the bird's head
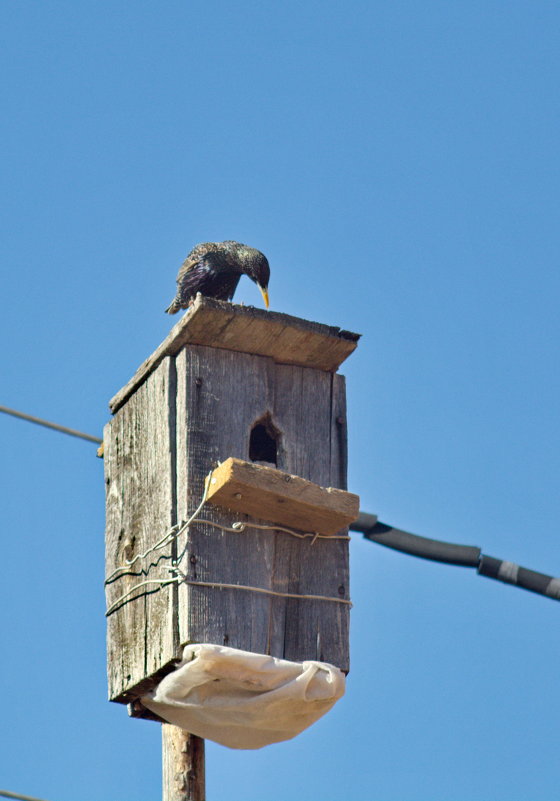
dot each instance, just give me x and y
(255, 265)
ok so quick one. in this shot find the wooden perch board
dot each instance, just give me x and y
(286, 339)
(279, 497)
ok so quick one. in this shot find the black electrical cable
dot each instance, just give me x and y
(435, 550)
(423, 547)
(40, 422)
(510, 573)
(451, 554)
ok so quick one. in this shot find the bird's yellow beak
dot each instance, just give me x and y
(264, 293)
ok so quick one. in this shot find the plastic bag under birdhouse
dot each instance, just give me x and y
(242, 699)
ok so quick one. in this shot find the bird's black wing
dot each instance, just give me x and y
(197, 254)
(211, 275)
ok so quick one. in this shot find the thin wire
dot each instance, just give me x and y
(171, 535)
(239, 527)
(222, 585)
(7, 794)
(236, 528)
(129, 562)
(440, 550)
(117, 602)
(39, 421)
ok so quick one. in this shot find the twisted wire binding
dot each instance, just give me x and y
(240, 526)
(118, 601)
(236, 528)
(174, 532)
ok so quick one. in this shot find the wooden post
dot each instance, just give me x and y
(228, 381)
(183, 765)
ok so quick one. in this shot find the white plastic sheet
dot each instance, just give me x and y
(244, 700)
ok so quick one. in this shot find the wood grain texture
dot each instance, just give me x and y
(220, 396)
(139, 475)
(281, 498)
(286, 339)
(307, 404)
(182, 765)
(192, 411)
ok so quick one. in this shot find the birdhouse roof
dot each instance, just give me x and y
(218, 324)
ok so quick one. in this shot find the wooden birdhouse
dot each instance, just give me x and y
(244, 408)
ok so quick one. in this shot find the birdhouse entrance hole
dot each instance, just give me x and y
(263, 443)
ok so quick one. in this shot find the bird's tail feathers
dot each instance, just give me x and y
(173, 308)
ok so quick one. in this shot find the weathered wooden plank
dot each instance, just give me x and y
(139, 474)
(221, 395)
(339, 433)
(306, 408)
(280, 497)
(162, 636)
(339, 478)
(286, 339)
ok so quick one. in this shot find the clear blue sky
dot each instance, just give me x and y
(398, 164)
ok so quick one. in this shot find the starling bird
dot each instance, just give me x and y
(214, 270)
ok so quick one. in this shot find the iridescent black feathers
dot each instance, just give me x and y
(214, 270)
